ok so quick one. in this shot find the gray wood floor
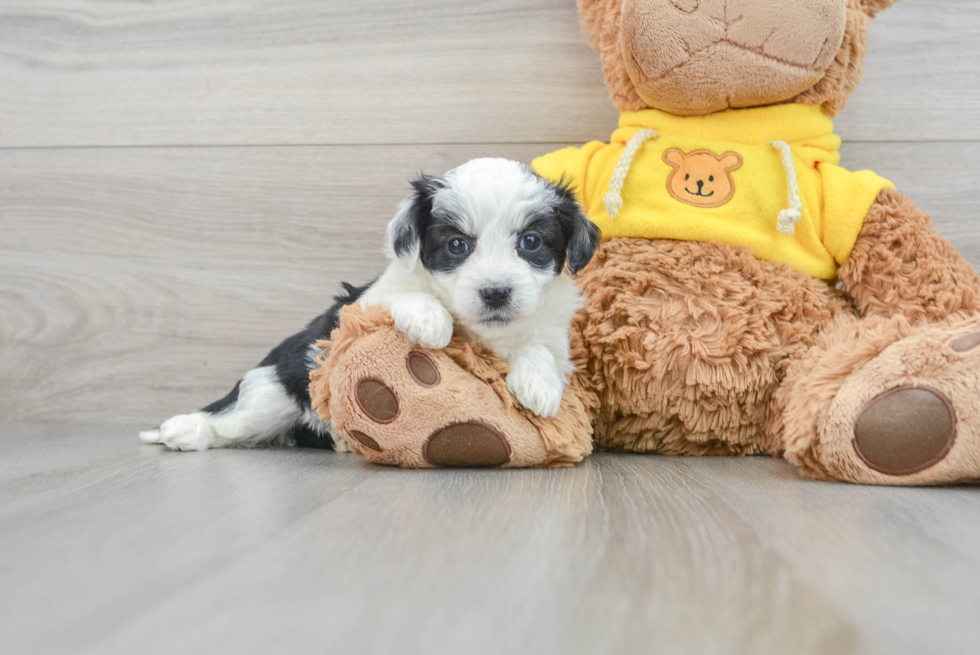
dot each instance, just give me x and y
(109, 547)
(184, 183)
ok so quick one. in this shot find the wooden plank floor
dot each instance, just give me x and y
(109, 547)
(184, 183)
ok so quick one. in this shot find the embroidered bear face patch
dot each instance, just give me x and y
(702, 178)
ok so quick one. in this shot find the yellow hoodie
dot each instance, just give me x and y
(766, 178)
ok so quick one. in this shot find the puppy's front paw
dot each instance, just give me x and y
(536, 384)
(423, 320)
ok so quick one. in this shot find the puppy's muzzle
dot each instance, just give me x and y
(495, 297)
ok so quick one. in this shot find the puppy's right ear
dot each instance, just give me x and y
(583, 235)
(407, 229)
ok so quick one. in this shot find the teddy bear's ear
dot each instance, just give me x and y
(732, 161)
(601, 20)
(591, 13)
(674, 157)
(874, 6)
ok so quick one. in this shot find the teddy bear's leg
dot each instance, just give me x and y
(894, 397)
(885, 401)
(901, 266)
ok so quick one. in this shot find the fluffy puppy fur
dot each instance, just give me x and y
(485, 248)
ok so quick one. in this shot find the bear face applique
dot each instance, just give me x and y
(702, 178)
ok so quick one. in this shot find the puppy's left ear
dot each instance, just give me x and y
(407, 229)
(582, 235)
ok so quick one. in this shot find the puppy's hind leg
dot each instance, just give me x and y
(258, 410)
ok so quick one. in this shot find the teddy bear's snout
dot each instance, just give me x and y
(694, 57)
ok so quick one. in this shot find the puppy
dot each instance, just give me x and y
(484, 247)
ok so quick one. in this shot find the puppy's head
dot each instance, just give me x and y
(492, 235)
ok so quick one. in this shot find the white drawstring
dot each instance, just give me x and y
(788, 218)
(614, 198)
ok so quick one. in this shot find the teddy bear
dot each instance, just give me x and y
(750, 297)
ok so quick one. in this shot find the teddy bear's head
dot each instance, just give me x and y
(696, 57)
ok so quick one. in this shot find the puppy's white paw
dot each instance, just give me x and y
(423, 320)
(187, 432)
(537, 384)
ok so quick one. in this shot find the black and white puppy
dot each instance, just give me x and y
(484, 247)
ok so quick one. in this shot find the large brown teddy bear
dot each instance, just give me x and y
(752, 297)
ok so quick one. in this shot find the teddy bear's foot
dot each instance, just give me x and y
(415, 408)
(398, 404)
(911, 415)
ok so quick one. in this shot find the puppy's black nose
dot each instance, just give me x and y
(700, 185)
(495, 297)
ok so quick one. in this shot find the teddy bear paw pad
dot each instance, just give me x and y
(905, 430)
(466, 444)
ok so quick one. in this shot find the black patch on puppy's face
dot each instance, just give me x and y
(565, 230)
(444, 246)
(551, 244)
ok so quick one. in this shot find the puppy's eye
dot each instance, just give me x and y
(711, 179)
(530, 242)
(687, 177)
(457, 246)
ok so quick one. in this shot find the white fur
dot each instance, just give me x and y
(262, 413)
(422, 318)
(494, 199)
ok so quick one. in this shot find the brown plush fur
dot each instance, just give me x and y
(686, 343)
(900, 265)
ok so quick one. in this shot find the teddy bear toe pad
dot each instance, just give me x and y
(423, 369)
(366, 441)
(966, 343)
(377, 400)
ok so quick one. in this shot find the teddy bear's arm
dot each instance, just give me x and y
(570, 165)
(901, 265)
